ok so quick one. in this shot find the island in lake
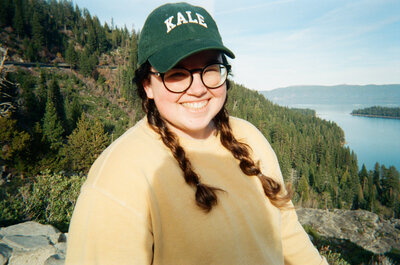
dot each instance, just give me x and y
(378, 112)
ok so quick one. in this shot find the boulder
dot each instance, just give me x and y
(32, 243)
(360, 227)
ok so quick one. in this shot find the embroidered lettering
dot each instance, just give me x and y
(181, 19)
(191, 20)
(170, 25)
(201, 20)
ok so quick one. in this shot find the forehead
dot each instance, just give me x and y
(200, 59)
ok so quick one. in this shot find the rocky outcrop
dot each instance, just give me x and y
(32, 243)
(360, 227)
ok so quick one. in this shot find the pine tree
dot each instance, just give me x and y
(85, 144)
(14, 143)
(74, 112)
(5, 13)
(303, 189)
(54, 95)
(18, 20)
(38, 35)
(390, 186)
(52, 128)
(71, 57)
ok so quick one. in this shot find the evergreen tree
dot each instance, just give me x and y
(303, 189)
(18, 20)
(38, 35)
(390, 186)
(74, 112)
(14, 144)
(55, 96)
(71, 57)
(52, 128)
(30, 53)
(6, 12)
(85, 144)
(41, 91)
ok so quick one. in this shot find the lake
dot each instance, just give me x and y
(372, 139)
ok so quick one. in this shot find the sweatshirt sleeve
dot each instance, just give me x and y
(111, 223)
(296, 244)
(104, 231)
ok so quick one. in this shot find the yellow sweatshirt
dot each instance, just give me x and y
(135, 207)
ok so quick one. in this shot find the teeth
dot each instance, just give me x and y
(195, 105)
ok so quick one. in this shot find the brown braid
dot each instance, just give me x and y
(205, 195)
(272, 189)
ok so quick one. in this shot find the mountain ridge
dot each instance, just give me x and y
(337, 94)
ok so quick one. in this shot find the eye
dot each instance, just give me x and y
(175, 75)
(215, 68)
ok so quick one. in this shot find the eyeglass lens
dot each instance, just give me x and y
(180, 79)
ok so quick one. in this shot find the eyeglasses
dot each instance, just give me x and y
(178, 80)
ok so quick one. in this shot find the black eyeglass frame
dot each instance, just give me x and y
(201, 70)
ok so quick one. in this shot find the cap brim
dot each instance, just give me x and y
(168, 57)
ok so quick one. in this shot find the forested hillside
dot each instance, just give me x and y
(56, 121)
(378, 111)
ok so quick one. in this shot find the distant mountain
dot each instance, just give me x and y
(340, 94)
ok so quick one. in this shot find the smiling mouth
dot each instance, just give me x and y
(195, 105)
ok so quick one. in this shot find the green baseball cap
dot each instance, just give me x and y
(174, 31)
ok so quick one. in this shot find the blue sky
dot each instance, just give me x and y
(280, 43)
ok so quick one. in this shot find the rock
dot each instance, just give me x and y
(36, 256)
(5, 253)
(29, 229)
(55, 260)
(360, 227)
(26, 242)
(32, 243)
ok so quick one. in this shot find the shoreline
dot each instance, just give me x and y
(375, 116)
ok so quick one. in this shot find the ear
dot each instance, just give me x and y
(148, 88)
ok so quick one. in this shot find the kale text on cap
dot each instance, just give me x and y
(174, 31)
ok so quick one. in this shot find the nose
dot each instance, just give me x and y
(197, 88)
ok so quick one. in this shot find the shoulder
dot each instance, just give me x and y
(261, 149)
(128, 160)
(246, 131)
(138, 141)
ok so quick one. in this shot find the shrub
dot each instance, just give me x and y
(333, 258)
(48, 199)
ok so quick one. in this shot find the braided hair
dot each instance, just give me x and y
(206, 196)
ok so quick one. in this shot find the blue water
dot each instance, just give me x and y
(372, 139)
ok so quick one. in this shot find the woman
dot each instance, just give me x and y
(187, 184)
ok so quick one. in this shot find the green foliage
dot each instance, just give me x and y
(14, 144)
(378, 111)
(71, 56)
(382, 260)
(85, 144)
(52, 128)
(46, 26)
(308, 112)
(48, 199)
(333, 258)
(87, 62)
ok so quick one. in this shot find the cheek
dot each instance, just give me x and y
(220, 93)
(164, 100)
